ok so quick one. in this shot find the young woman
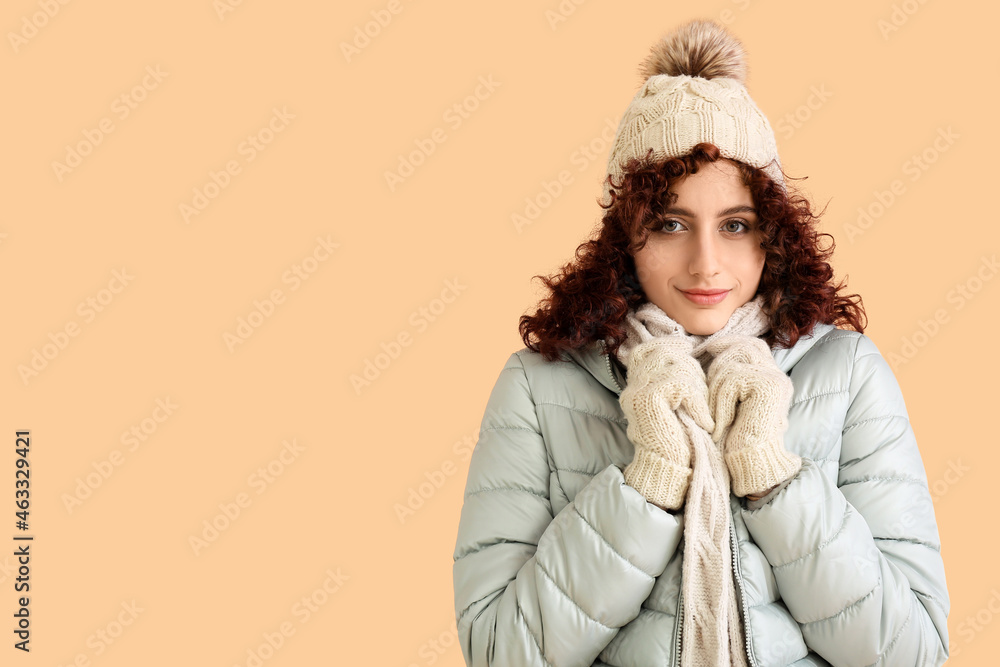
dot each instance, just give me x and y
(690, 463)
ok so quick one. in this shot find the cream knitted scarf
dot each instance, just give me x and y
(711, 633)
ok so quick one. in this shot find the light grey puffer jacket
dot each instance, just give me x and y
(559, 562)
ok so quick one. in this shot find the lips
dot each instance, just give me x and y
(704, 297)
(705, 292)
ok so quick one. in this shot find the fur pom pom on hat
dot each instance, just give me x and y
(694, 91)
(699, 48)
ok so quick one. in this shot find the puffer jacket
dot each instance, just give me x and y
(559, 562)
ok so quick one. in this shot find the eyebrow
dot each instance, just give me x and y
(678, 210)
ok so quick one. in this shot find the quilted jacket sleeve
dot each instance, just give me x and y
(536, 589)
(858, 564)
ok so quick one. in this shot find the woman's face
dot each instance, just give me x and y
(708, 241)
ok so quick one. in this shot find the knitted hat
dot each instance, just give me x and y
(695, 91)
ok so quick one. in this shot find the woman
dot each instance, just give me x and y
(692, 464)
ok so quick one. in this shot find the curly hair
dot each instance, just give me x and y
(590, 296)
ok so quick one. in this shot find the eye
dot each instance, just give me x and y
(665, 226)
(746, 226)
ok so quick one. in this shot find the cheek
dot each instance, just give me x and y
(755, 257)
(648, 266)
(751, 265)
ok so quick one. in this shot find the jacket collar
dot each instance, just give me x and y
(593, 359)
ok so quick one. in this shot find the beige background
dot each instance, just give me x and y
(442, 240)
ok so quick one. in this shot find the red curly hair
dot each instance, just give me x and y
(591, 295)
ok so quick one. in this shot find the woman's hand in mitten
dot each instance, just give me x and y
(749, 397)
(662, 376)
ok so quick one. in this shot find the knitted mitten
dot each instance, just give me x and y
(663, 377)
(749, 398)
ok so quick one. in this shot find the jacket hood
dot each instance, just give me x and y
(593, 359)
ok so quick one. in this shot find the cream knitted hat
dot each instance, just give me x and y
(695, 91)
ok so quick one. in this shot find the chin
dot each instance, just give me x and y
(701, 330)
(706, 326)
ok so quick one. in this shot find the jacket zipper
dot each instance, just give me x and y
(680, 625)
(607, 358)
(743, 594)
(743, 604)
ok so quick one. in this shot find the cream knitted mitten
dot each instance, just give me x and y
(750, 396)
(662, 377)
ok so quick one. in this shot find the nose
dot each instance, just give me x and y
(705, 253)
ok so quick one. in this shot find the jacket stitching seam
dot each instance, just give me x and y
(545, 444)
(822, 546)
(527, 384)
(826, 338)
(617, 420)
(850, 377)
(854, 462)
(567, 596)
(846, 607)
(653, 610)
(895, 639)
(824, 393)
(524, 619)
(509, 428)
(472, 604)
(605, 540)
(763, 604)
(576, 470)
(873, 419)
(909, 540)
(523, 370)
(877, 478)
(506, 488)
(477, 550)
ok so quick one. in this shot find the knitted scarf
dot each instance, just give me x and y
(711, 633)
